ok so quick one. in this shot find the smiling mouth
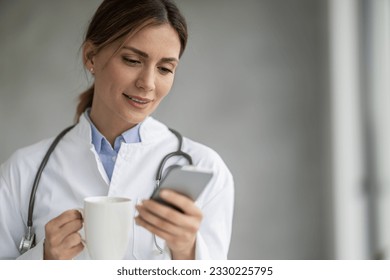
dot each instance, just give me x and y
(137, 99)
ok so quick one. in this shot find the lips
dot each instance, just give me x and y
(137, 99)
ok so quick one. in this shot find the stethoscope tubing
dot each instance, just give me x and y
(39, 174)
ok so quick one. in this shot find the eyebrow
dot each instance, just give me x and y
(145, 55)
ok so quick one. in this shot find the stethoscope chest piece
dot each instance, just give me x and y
(28, 241)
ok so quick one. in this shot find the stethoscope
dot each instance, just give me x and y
(28, 241)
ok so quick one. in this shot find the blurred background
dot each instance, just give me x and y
(293, 94)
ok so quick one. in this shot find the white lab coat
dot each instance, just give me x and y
(74, 172)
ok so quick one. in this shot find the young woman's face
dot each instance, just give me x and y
(130, 85)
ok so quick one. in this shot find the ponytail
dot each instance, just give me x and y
(85, 101)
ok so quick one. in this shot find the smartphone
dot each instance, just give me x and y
(187, 180)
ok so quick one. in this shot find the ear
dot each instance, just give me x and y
(89, 52)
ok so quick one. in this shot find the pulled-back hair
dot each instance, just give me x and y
(121, 19)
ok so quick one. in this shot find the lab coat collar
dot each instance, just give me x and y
(150, 130)
(98, 139)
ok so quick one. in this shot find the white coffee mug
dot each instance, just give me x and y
(107, 226)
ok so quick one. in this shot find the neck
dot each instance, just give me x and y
(110, 128)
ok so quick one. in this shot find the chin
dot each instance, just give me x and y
(135, 119)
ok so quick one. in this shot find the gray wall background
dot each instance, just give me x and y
(251, 85)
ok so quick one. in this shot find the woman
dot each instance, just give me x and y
(132, 48)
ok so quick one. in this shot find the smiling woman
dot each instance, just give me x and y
(131, 77)
(132, 48)
(141, 36)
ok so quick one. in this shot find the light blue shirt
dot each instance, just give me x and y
(106, 152)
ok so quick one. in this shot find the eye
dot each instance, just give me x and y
(131, 61)
(165, 70)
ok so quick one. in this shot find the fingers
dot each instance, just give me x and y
(62, 239)
(162, 220)
(180, 201)
(176, 228)
(166, 217)
(65, 217)
(72, 240)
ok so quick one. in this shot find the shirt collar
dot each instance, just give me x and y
(129, 136)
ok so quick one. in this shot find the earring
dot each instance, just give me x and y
(92, 71)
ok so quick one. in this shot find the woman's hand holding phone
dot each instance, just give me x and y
(178, 229)
(171, 212)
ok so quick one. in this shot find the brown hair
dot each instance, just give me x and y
(117, 19)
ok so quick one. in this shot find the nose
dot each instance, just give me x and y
(146, 80)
